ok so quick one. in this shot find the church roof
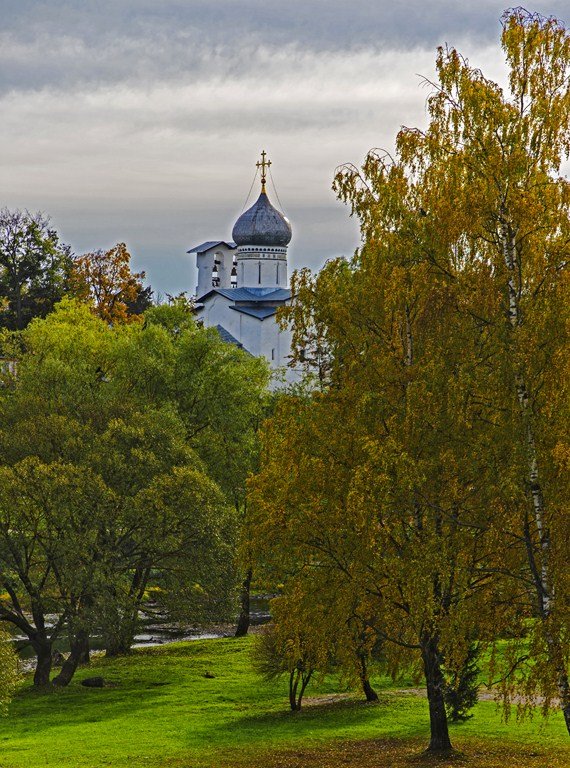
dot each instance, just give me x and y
(227, 337)
(260, 312)
(203, 247)
(251, 295)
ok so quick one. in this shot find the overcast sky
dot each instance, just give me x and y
(140, 121)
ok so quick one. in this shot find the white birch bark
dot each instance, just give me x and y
(542, 577)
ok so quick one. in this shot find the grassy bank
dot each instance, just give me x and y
(163, 711)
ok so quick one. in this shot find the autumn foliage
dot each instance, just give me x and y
(104, 279)
(425, 473)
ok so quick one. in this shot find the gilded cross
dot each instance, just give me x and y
(264, 165)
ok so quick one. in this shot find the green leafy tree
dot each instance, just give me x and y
(99, 458)
(34, 267)
(51, 520)
(221, 393)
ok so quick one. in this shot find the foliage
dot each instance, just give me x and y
(275, 655)
(419, 473)
(222, 396)
(9, 676)
(104, 279)
(142, 301)
(34, 267)
(462, 686)
(99, 450)
(498, 158)
(294, 645)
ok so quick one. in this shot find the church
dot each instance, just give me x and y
(243, 281)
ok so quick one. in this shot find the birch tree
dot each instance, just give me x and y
(490, 165)
(445, 406)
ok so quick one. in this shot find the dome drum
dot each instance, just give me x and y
(261, 252)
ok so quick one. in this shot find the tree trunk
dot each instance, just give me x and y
(43, 650)
(304, 683)
(293, 683)
(369, 691)
(85, 657)
(439, 733)
(541, 572)
(79, 647)
(244, 616)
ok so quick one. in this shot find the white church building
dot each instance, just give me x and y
(242, 282)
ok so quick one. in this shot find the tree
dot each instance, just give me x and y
(104, 279)
(498, 157)
(50, 554)
(292, 645)
(142, 301)
(374, 509)
(462, 686)
(446, 346)
(34, 267)
(326, 612)
(96, 460)
(222, 396)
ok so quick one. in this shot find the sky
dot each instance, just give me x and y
(141, 122)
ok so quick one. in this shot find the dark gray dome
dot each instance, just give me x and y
(262, 224)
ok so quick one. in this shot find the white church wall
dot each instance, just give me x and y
(261, 338)
(217, 312)
(276, 345)
(250, 333)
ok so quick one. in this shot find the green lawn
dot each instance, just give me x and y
(163, 711)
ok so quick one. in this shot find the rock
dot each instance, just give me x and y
(93, 682)
(209, 675)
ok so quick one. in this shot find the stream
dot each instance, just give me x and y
(154, 629)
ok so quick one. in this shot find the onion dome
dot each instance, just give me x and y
(262, 224)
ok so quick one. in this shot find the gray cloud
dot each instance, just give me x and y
(141, 121)
(110, 41)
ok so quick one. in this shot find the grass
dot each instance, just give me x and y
(163, 711)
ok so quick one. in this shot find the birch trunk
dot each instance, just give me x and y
(542, 577)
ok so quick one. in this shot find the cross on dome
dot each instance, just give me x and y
(264, 165)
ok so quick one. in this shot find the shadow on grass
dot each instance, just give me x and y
(77, 706)
(130, 689)
(317, 722)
